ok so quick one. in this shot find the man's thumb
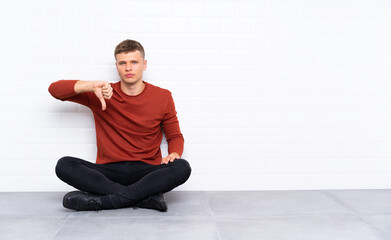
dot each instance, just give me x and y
(102, 100)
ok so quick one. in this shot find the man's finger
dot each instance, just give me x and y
(107, 85)
(107, 93)
(170, 158)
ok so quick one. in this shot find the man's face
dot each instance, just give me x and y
(130, 67)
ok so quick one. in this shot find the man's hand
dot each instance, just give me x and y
(170, 158)
(102, 90)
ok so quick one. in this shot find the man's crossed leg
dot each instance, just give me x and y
(120, 184)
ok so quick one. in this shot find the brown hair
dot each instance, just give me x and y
(129, 46)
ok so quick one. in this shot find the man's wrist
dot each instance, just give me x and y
(177, 154)
(83, 86)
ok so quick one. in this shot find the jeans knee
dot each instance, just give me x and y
(183, 170)
(62, 167)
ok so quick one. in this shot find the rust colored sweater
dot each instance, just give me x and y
(130, 129)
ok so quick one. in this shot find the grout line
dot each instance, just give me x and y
(60, 227)
(356, 213)
(386, 237)
(339, 201)
(213, 216)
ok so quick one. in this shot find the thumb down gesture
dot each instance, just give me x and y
(102, 90)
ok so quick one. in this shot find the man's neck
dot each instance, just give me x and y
(133, 89)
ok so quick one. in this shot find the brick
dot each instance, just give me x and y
(184, 57)
(7, 8)
(202, 25)
(287, 135)
(346, 8)
(49, 136)
(281, 8)
(78, 56)
(205, 41)
(68, 8)
(233, 57)
(91, 8)
(268, 25)
(236, 25)
(219, 8)
(157, 8)
(319, 151)
(327, 166)
(173, 24)
(35, 168)
(78, 24)
(39, 105)
(251, 8)
(61, 40)
(285, 120)
(125, 8)
(188, 8)
(35, 151)
(29, 8)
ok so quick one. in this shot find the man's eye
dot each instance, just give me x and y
(134, 62)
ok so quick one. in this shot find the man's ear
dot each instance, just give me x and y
(145, 65)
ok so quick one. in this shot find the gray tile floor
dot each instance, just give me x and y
(239, 215)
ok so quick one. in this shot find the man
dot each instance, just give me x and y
(130, 116)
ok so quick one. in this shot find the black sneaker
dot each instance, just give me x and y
(156, 202)
(82, 201)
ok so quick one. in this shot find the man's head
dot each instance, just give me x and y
(130, 62)
(129, 46)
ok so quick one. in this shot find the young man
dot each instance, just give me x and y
(129, 118)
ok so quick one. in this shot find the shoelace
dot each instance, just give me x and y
(94, 204)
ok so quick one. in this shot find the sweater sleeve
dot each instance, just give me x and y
(171, 129)
(64, 90)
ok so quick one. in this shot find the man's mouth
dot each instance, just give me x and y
(129, 75)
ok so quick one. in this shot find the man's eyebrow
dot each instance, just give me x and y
(131, 60)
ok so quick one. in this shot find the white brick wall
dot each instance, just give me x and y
(271, 94)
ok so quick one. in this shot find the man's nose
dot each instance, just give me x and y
(128, 67)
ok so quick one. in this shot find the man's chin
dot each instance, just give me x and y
(130, 81)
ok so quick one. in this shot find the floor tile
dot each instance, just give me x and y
(29, 228)
(381, 223)
(262, 203)
(162, 228)
(365, 201)
(43, 204)
(335, 227)
(312, 215)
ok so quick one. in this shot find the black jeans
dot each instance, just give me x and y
(126, 183)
